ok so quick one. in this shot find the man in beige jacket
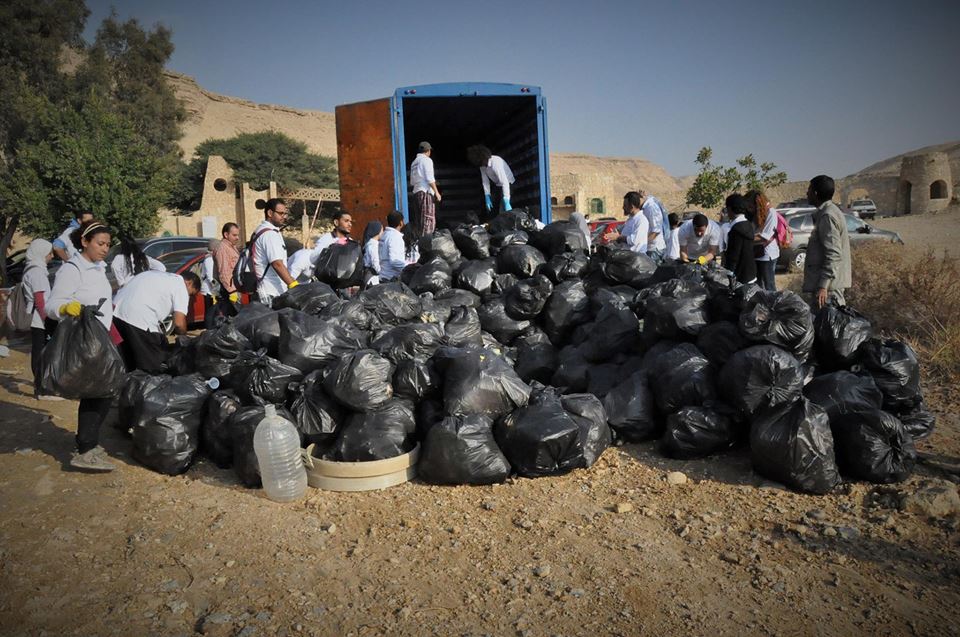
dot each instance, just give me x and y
(826, 273)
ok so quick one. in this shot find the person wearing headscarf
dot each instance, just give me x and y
(581, 222)
(371, 251)
(36, 289)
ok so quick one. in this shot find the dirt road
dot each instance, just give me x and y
(615, 550)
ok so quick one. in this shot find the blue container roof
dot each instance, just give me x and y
(466, 89)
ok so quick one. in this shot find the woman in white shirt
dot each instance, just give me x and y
(132, 261)
(767, 248)
(36, 288)
(371, 252)
(83, 281)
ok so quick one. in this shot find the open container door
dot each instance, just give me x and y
(365, 158)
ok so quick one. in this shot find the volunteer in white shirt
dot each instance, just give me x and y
(342, 227)
(493, 169)
(371, 252)
(36, 290)
(300, 264)
(656, 243)
(766, 218)
(270, 254)
(673, 242)
(699, 239)
(392, 249)
(63, 246)
(140, 309)
(132, 261)
(425, 191)
(209, 287)
(634, 232)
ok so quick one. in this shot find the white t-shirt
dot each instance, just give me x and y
(421, 173)
(267, 249)
(301, 263)
(35, 280)
(655, 221)
(635, 232)
(82, 281)
(696, 246)
(64, 242)
(497, 171)
(771, 251)
(673, 246)
(123, 274)
(149, 298)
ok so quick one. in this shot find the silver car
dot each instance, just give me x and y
(793, 258)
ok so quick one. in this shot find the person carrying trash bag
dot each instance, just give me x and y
(82, 281)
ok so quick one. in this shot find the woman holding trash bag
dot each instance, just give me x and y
(83, 281)
(371, 253)
(36, 286)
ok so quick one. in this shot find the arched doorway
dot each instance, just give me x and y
(596, 206)
(904, 192)
(938, 189)
(568, 201)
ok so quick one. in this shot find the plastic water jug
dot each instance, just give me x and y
(277, 445)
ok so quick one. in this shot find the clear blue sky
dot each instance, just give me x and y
(813, 86)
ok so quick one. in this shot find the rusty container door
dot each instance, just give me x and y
(366, 161)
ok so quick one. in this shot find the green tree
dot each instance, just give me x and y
(713, 182)
(257, 158)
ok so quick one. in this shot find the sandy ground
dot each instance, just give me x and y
(726, 553)
(938, 232)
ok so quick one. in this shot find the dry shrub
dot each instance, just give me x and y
(912, 297)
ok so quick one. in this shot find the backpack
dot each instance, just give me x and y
(784, 233)
(245, 277)
(19, 310)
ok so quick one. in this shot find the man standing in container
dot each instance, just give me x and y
(492, 169)
(425, 192)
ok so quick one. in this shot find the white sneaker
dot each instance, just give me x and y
(93, 460)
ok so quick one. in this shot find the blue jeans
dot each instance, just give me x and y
(656, 255)
(766, 275)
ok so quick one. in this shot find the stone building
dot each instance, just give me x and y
(587, 193)
(925, 184)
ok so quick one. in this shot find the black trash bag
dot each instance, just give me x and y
(429, 413)
(410, 341)
(351, 311)
(243, 424)
(572, 370)
(385, 433)
(896, 370)
(463, 328)
(515, 219)
(677, 271)
(615, 330)
(838, 334)
(674, 288)
(606, 294)
(462, 450)
(630, 409)
(434, 276)
(183, 357)
(536, 357)
(478, 381)
(541, 438)
(494, 319)
(626, 267)
(595, 436)
(675, 318)
(457, 298)
(526, 299)
(216, 437)
(166, 429)
(760, 377)
(361, 381)
(315, 295)
(697, 432)
(472, 241)
(310, 343)
(841, 393)
(568, 307)
(560, 237)
(779, 318)
(263, 330)
(728, 304)
(792, 444)
(602, 378)
(501, 240)
(258, 378)
(81, 361)
(519, 260)
(653, 354)
(721, 340)
(408, 272)
(506, 352)
(137, 384)
(315, 414)
(340, 265)
(873, 446)
(392, 303)
(502, 283)
(440, 245)
(476, 276)
(416, 379)
(918, 420)
(433, 312)
(682, 377)
(569, 265)
(218, 349)
(248, 314)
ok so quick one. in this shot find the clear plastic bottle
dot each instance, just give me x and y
(277, 445)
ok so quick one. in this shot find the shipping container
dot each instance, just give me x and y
(377, 141)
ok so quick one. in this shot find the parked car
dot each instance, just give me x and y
(793, 258)
(600, 227)
(191, 261)
(792, 208)
(863, 208)
(690, 214)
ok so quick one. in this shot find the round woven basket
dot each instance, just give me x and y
(359, 476)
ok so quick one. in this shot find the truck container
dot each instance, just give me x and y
(378, 140)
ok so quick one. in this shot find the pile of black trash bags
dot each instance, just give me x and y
(508, 350)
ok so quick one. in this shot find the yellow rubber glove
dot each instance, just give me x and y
(73, 308)
(702, 260)
(213, 300)
(293, 284)
(234, 297)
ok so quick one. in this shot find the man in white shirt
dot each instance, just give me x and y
(342, 227)
(140, 308)
(300, 264)
(63, 246)
(393, 251)
(270, 254)
(656, 243)
(699, 237)
(673, 242)
(492, 169)
(425, 191)
(634, 233)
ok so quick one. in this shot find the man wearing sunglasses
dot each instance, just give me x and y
(270, 253)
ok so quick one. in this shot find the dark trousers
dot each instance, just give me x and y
(766, 275)
(146, 351)
(90, 415)
(224, 307)
(209, 315)
(38, 340)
